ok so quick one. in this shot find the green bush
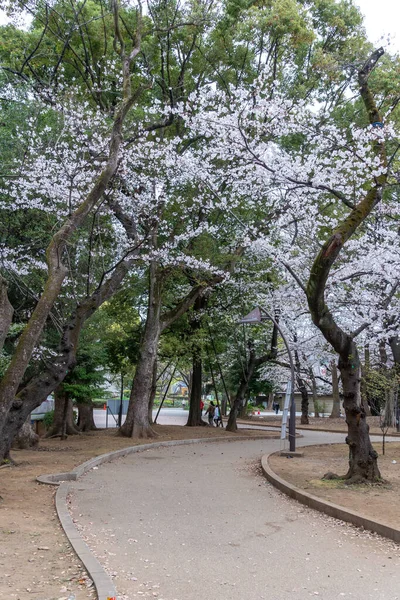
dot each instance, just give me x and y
(48, 419)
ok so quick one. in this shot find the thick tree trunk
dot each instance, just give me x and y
(63, 423)
(38, 389)
(26, 437)
(363, 465)
(194, 418)
(137, 419)
(335, 414)
(85, 417)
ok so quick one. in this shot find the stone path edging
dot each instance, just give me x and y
(104, 585)
(329, 508)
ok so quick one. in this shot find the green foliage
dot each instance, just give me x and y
(48, 419)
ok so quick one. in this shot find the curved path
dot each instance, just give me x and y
(201, 523)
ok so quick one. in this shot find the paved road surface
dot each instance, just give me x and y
(200, 523)
(167, 416)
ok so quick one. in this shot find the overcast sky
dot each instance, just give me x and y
(382, 17)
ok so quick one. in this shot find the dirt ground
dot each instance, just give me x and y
(36, 561)
(326, 424)
(380, 502)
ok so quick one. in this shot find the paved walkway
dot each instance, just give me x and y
(201, 523)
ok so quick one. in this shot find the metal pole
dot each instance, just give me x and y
(292, 414)
(165, 395)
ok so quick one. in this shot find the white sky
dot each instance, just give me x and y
(382, 18)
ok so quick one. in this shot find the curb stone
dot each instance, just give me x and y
(104, 585)
(324, 506)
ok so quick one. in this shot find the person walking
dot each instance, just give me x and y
(217, 417)
(210, 412)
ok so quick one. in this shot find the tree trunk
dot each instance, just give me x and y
(153, 392)
(363, 465)
(364, 375)
(26, 437)
(194, 418)
(335, 414)
(388, 417)
(38, 388)
(137, 419)
(85, 417)
(63, 423)
(242, 390)
(6, 311)
(301, 384)
(314, 394)
(11, 423)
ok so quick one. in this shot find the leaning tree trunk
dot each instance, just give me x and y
(85, 416)
(11, 421)
(39, 387)
(63, 423)
(335, 414)
(363, 464)
(26, 437)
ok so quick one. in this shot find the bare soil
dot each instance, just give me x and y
(321, 423)
(379, 502)
(36, 560)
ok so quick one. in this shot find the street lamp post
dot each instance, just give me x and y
(256, 316)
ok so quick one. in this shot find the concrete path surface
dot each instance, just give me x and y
(201, 523)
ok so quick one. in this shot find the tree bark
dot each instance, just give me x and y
(37, 390)
(314, 393)
(137, 419)
(301, 384)
(242, 389)
(26, 437)
(363, 465)
(195, 417)
(11, 415)
(335, 414)
(6, 311)
(85, 417)
(153, 392)
(63, 422)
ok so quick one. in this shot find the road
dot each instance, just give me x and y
(201, 523)
(168, 416)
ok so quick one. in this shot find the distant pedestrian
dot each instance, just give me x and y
(217, 417)
(210, 412)
(275, 406)
(201, 406)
